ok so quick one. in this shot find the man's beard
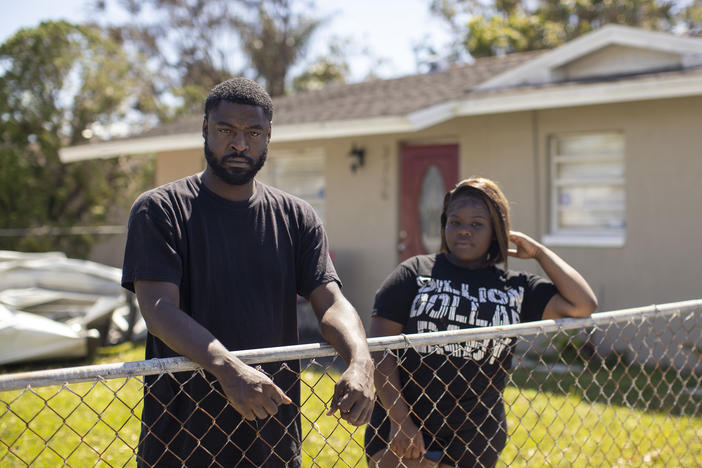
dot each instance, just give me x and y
(234, 176)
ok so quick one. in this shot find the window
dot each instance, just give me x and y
(300, 173)
(587, 193)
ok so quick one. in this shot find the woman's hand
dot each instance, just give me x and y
(575, 297)
(406, 439)
(526, 246)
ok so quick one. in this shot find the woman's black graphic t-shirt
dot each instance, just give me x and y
(427, 293)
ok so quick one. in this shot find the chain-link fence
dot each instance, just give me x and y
(619, 389)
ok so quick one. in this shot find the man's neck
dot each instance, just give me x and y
(225, 190)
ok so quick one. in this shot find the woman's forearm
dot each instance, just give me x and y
(570, 284)
(388, 386)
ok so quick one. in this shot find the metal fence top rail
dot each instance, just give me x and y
(22, 380)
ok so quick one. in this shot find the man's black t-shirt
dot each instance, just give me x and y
(239, 267)
(446, 385)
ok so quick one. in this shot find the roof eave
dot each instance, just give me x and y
(539, 69)
(520, 100)
(111, 149)
(582, 95)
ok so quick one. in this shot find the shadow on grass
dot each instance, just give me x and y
(630, 385)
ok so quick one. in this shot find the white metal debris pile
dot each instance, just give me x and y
(54, 307)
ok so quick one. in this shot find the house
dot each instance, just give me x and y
(597, 144)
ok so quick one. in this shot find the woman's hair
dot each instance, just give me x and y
(489, 193)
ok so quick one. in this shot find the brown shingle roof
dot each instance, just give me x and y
(398, 96)
(374, 98)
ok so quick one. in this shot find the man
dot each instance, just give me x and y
(217, 260)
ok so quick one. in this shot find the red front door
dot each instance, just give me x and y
(428, 172)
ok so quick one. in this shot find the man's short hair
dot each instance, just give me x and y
(240, 91)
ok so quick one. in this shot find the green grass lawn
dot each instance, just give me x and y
(641, 419)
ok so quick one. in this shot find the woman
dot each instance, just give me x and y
(442, 406)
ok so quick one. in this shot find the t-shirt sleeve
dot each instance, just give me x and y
(394, 297)
(314, 266)
(151, 251)
(538, 292)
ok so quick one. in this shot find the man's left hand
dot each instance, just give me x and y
(353, 394)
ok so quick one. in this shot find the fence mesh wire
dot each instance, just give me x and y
(620, 389)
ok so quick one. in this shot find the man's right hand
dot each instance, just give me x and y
(251, 392)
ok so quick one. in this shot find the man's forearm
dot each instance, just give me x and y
(342, 328)
(185, 336)
(340, 324)
(159, 304)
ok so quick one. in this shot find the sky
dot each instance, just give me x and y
(381, 33)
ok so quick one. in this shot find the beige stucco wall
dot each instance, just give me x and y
(363, 207)
(661, 260)
(361, 214)
(173, 165)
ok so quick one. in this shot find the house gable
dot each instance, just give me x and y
(616, 60)
(613, 50)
